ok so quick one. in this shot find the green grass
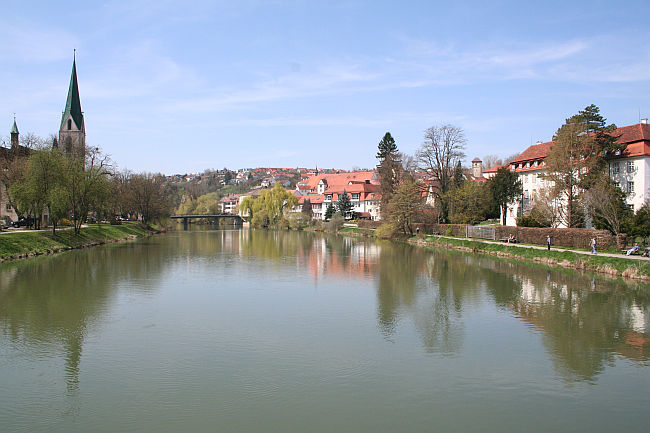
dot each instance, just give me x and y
(22, 243)
(355, 230)
(594, 262)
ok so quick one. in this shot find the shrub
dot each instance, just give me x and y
(386, 231)
(298, 221)
(529, 221)
(335, 223)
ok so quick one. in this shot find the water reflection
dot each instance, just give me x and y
(585, 322)
(49, 303)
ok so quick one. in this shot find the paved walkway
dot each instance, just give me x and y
(539, 247)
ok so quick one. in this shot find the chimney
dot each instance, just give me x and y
(644, 121)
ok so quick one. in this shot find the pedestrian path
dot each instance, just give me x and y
(539, 247)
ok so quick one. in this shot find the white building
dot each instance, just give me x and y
(629, 170)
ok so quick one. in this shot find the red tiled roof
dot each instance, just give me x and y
(494, 169)
(536, 151)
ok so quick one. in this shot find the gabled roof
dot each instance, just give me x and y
(73, 103)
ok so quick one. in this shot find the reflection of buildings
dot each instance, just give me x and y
(584, 327)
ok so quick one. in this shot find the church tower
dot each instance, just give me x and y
(14, 136)
(72, 133)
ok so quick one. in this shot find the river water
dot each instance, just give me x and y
(261, 331)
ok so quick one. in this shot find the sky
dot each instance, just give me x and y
(180, 87)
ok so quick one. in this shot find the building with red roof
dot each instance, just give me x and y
(324, 189)
(629, 169)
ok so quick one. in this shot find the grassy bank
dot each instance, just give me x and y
(26, 244)
(609, 265)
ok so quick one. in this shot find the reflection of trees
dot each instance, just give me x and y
(585, 322)
(55, 300)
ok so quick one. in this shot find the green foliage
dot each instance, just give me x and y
(207, 204)
(307, 209)
(386, 146)
(269, 208)
(329, 212)
(469, 203)
(504, 187)
(386, 231)
(344, 205)
(404, 205)
(530, 221)
(639, 224)
(335, 223)
(299, 220)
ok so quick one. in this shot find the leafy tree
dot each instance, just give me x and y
(43, 173)
(269, 208)
(88, 184)
(344, 205)
(329, 212)
(404, 205)
(438, 156)
(505, 186)
(639, 225)
(469, 203)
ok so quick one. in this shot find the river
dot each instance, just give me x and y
(277, 331)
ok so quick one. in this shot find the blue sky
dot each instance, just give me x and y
(179, 87)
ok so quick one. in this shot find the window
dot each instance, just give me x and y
(328, 197)
(630, 166)
(617, 184)
(8, 207)
(355, 196)
(69, 124)
(615, 168)
(630, 187)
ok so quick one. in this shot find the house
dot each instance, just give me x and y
(324, 189)
(229, 203)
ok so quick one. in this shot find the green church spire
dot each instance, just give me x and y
(73, 104)
(14, 128)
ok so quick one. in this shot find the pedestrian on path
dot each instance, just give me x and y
(548, 242)
(593, 245)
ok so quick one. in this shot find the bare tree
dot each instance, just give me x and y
(545, 208)
(607, 205)
(442, 150)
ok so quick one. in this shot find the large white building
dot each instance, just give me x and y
(629, 170)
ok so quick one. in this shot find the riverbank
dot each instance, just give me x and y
(25, 244)
(626, 267)
(613, 266)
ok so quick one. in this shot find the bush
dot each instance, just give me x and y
(386, 231)
(449, 231)
(529, 221)
(335, 223)
(298, 221)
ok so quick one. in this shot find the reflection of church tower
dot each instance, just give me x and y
(72, 133)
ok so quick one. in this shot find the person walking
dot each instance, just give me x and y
(548, 242)
(593, 245)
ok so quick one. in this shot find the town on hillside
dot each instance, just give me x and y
(591, 175)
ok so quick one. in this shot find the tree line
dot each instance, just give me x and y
(432, 186)
(40, 179)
